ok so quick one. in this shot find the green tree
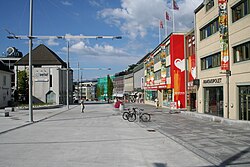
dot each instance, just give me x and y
(110, 87)
(98, 91)
(23, 86)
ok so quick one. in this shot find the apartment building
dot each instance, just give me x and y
(223, 58)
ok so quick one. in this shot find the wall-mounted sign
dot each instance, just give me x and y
(212, 81)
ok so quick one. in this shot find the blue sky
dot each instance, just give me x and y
(137, 21)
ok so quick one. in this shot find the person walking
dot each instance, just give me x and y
(156, 103)
(82, 105)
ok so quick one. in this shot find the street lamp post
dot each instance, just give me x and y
(30, 62)
(30, 37)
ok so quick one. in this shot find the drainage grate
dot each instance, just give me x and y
(151, 130)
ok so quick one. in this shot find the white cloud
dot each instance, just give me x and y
(52, 42)
(82, 49)
(66, 3)
(136, 18)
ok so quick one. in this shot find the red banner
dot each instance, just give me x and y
(178, 69)
(223, 29)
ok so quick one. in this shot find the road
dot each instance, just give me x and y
(97, 138)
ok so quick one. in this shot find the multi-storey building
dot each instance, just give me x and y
(223, 58)
(49, 78)
(118, 84)
(165, 73)
(5, 85)
(102, 85)
(87, 90)
(190, 70)
(9, 59)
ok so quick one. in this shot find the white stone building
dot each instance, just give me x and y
(49, 76)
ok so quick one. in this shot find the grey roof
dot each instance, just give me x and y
(42, 55)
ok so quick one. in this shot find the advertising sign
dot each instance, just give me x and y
(223, 29)
(178, 68)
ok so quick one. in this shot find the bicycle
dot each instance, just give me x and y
(136, 113)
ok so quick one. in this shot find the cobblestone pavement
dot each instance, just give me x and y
(222, 145)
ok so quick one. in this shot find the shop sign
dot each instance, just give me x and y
(157, 87)
(212, 81)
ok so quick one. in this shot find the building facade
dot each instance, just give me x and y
(118, 83)
(165, 73)
(5, 85)
(49, 76)
(190, 64)
(9, 59)
(223, 58)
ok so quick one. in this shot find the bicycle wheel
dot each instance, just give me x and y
(145, 117)
(131, 117)
(125, 115)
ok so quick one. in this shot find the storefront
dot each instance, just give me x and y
(244, 102)
(213, 101)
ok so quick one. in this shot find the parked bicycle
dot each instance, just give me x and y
(134, 113)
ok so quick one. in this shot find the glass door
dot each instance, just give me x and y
(248, 107)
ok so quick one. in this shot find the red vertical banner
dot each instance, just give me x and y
(178, 69)
(223, 29)
(191, 68)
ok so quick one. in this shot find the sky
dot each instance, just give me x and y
(137, 21)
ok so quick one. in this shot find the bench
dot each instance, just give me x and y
(5, 113)
(9, 109)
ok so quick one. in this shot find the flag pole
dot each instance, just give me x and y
(159, 31)
(166, 30)
(173, 14)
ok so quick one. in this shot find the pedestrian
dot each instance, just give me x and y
(82, 105)
(156, 103)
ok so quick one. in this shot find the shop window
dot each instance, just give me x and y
(241, 52)
(211, 61)
(240, 10)
(213, 101)
(151, 95)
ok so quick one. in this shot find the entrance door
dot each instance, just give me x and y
(244, 101)
(248, 107)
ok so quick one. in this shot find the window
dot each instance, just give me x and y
(209, 4)
(240, 10)
(4, 80)
(157, 75)
(210, 29)
(211, 61)
(168, 71)
(157, 58)
(241, 52)
(167, 50)
(50, 80)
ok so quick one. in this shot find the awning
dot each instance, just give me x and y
(118, 95)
